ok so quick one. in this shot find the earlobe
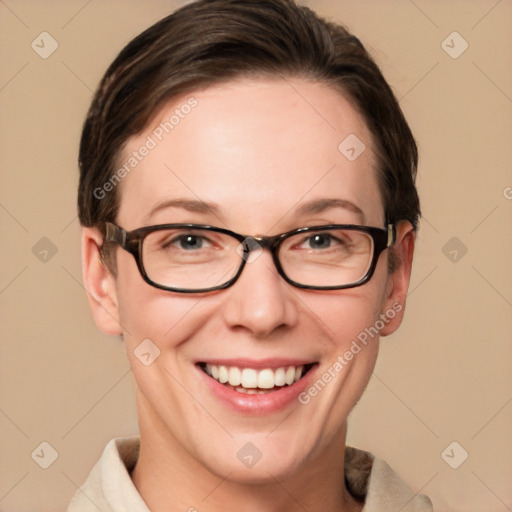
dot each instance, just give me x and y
(99, 283)
(398, 280)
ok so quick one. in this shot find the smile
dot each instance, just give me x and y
(253, 381)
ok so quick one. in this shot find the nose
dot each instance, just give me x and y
(260, 301)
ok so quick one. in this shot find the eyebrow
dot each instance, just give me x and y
(320, 205)
(190, 205)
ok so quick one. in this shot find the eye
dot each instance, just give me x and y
(188, 242)
(320, 241)
(324, 240)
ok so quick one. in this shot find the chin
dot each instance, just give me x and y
(260, 458)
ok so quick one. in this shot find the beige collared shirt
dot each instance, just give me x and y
(109, 487)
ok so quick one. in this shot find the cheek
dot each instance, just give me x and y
(167, 320)
(351, 322)
(352, 352)
(146, 312)
(348, 314)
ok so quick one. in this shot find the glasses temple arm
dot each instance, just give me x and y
(114, 234)
(391, 235)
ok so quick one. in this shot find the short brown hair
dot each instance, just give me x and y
(212, 41)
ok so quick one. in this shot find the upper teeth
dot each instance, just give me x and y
(250, 378)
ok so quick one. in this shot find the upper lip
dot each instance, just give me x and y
(257, 364)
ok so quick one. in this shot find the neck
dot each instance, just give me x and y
(170, 479)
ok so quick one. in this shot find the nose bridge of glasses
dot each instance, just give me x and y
(260, 242)
(253, 247)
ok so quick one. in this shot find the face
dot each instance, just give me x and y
(263, 156)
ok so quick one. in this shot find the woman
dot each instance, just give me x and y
(249, 211)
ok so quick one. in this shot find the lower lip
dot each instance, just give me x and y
(265, 403)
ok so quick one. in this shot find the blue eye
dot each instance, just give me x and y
(320, 241)
(188, 242)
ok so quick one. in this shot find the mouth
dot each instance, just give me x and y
(253, 381)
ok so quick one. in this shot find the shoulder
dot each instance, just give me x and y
(109, 487)
(373, 480)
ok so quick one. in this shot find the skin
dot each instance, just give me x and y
(259, 150)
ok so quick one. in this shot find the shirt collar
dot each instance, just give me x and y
(367, 478)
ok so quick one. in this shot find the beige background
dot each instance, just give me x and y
(445, 376)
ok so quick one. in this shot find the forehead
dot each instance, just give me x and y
(257, 149)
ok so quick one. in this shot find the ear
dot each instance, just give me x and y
(398, 280)
(99, 283)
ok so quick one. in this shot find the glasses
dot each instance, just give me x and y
(192, 258)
